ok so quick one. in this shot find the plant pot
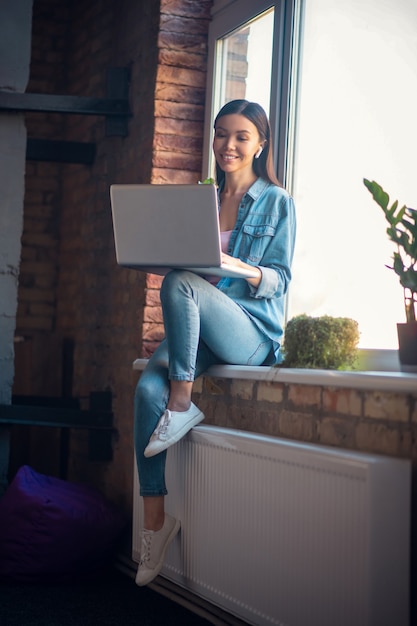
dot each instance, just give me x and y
(407, 343)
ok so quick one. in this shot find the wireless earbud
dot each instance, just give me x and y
(258, 154)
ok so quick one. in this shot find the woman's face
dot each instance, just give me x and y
(236, 141)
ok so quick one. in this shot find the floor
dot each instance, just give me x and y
(112, 599)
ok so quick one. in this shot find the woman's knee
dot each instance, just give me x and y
(150, 392)
(176, 282)
(143, 391)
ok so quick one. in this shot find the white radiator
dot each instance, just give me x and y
(280, 532)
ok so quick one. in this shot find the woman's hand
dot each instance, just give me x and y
(231, 260)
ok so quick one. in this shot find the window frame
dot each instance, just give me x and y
(227, 16)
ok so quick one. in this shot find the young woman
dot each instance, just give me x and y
(234, 320)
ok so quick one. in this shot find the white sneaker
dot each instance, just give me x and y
(154, 544)
(171, 427)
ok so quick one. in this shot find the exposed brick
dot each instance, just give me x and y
(268, 423)
(148, 348)
(187, 8)
(182, 59)
(216, 387)
(242, 389)
(179, 93)
(179, 111)
(198, 385)
(347, 401)
(152, 332)
(377, 437)
(176, 177)
(389, 406)
(152, 314)
(172, 142)
(241, 417)
(196, 44)
(185, 128)
(174, 24)
(36, 295)
(33, 323)
(295, 425)
(174, 160)
(269, 392)
(303, 395)
(181, 76)
(338, 432)
(153, 281)
(42, 310)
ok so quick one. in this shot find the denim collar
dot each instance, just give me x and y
(257, 188)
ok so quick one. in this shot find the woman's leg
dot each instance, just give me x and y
(151, 398)
(196, 312)
(159, 529)
(202, 326)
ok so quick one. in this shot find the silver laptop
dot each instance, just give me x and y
(161, 227)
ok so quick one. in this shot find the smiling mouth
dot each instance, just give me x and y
(228, 157)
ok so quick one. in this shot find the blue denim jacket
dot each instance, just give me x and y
(264, 236)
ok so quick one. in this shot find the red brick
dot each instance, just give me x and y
(196, 44)
(304, 395)
(187, 8)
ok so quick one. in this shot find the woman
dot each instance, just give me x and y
(205, 320)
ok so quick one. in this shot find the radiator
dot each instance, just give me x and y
(280, 532)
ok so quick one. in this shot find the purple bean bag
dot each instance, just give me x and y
(55, 530)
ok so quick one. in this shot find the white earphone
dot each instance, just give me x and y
(258, 154)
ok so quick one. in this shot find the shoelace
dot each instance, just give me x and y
(161, 431)
(145, 548)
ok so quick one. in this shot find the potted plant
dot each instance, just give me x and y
(402, 230)
(323, 342)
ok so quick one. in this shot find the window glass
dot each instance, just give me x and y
(356, 118)
(243, 60)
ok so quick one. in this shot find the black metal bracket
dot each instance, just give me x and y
(65, 414)
(73, 105)
(60, 151)
(115, 108)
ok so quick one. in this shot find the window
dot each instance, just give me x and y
(342, 85)
(249, 57)
(244, 61)
(356, 119)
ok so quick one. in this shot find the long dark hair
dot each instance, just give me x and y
(264, 165)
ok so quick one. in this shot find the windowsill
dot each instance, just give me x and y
(382, 380)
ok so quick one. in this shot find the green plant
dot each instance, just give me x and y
(402, 230)
(321, 342)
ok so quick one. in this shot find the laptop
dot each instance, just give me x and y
(162, 227)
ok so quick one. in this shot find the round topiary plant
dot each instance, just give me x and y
(321, 342)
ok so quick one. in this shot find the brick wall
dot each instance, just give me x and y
(179, 119)
(36, 315)
(364, 420)
(70, 285)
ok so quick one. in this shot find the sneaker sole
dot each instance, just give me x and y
(154, 573)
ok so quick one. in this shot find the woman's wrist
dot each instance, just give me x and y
(255, 282)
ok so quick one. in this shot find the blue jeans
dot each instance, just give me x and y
(203, 326)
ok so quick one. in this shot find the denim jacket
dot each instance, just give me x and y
(264, 236)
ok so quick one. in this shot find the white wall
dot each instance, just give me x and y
(15, 42)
